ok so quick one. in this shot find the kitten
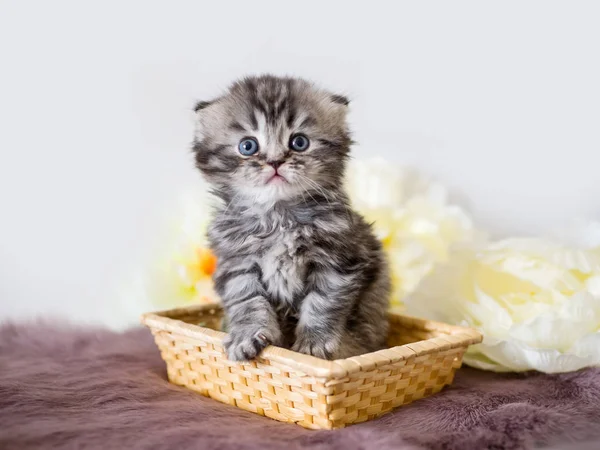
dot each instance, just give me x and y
(296, 266)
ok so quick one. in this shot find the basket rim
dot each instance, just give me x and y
(454, 337)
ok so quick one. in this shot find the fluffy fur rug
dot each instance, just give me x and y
(68, 388)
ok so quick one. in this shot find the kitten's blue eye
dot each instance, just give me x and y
(299, 142)
(248, 147)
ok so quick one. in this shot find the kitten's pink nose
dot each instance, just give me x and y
(275, 164)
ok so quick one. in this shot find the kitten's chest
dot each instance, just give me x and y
(283, 263)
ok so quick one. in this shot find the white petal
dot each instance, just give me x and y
(518, 357)
(588, 347)
(556, 328)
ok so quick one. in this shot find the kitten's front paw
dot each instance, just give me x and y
(322, 347)
(245, 343)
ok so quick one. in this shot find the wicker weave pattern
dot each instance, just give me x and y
(311, 392)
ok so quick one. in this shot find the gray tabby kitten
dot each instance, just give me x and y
(296, 266)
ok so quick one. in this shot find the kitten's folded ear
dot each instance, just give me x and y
(201, 105)
(336, 106)
(340, 99)
(205, 113)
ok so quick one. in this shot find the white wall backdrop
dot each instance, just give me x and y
(500, 100)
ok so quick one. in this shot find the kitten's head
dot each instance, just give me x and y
(270, 139)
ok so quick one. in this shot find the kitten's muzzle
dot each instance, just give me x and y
(277, 176)
(275, 164)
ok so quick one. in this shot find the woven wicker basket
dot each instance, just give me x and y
(312, 392)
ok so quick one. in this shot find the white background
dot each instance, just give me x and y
(499, 100)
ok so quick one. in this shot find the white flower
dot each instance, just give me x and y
(182, 271)
(411, 216)
(537, 302)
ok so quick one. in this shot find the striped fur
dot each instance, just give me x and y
(297, 267)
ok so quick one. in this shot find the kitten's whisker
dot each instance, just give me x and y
(319, 189)
(235, 197)
(324, 194)
(312, 184)
(309, 186)
(307, 191)
(302, 189)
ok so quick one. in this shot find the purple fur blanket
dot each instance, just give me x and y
(70, 388)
